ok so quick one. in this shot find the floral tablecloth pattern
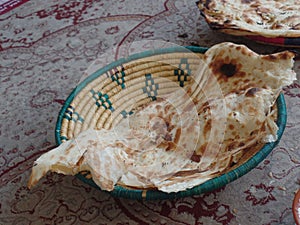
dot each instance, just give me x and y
(45, 49)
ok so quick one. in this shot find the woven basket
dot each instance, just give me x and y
(108, 95)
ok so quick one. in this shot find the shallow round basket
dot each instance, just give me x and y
(109, 94)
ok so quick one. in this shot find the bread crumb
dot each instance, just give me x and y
(235, 211)
(281, 188)
(270, 175)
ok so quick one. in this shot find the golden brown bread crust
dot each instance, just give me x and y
(268, 18)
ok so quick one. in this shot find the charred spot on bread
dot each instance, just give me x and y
(228, 69)
(195, 157)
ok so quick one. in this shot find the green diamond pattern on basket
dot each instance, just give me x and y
(150, 87)
(102, 100)
(70, 114)
(118, 75)
(183, 71)
(124, 113)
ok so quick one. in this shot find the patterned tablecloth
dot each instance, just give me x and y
(45, 48)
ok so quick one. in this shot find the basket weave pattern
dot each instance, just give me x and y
(112, 95)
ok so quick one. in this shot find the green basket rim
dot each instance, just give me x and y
(207, 186)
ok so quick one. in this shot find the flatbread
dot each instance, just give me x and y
(268, 18)
(152, 146)
(235, 68)
(248, 124)
(189, 136)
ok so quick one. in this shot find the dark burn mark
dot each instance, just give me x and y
(167, 123)
(228, 69)
(251, 92)
(207, 128)
(231, 126)
(195, 157)
(168, 137)
(177, 135)
(242, 144)
(231, 146)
